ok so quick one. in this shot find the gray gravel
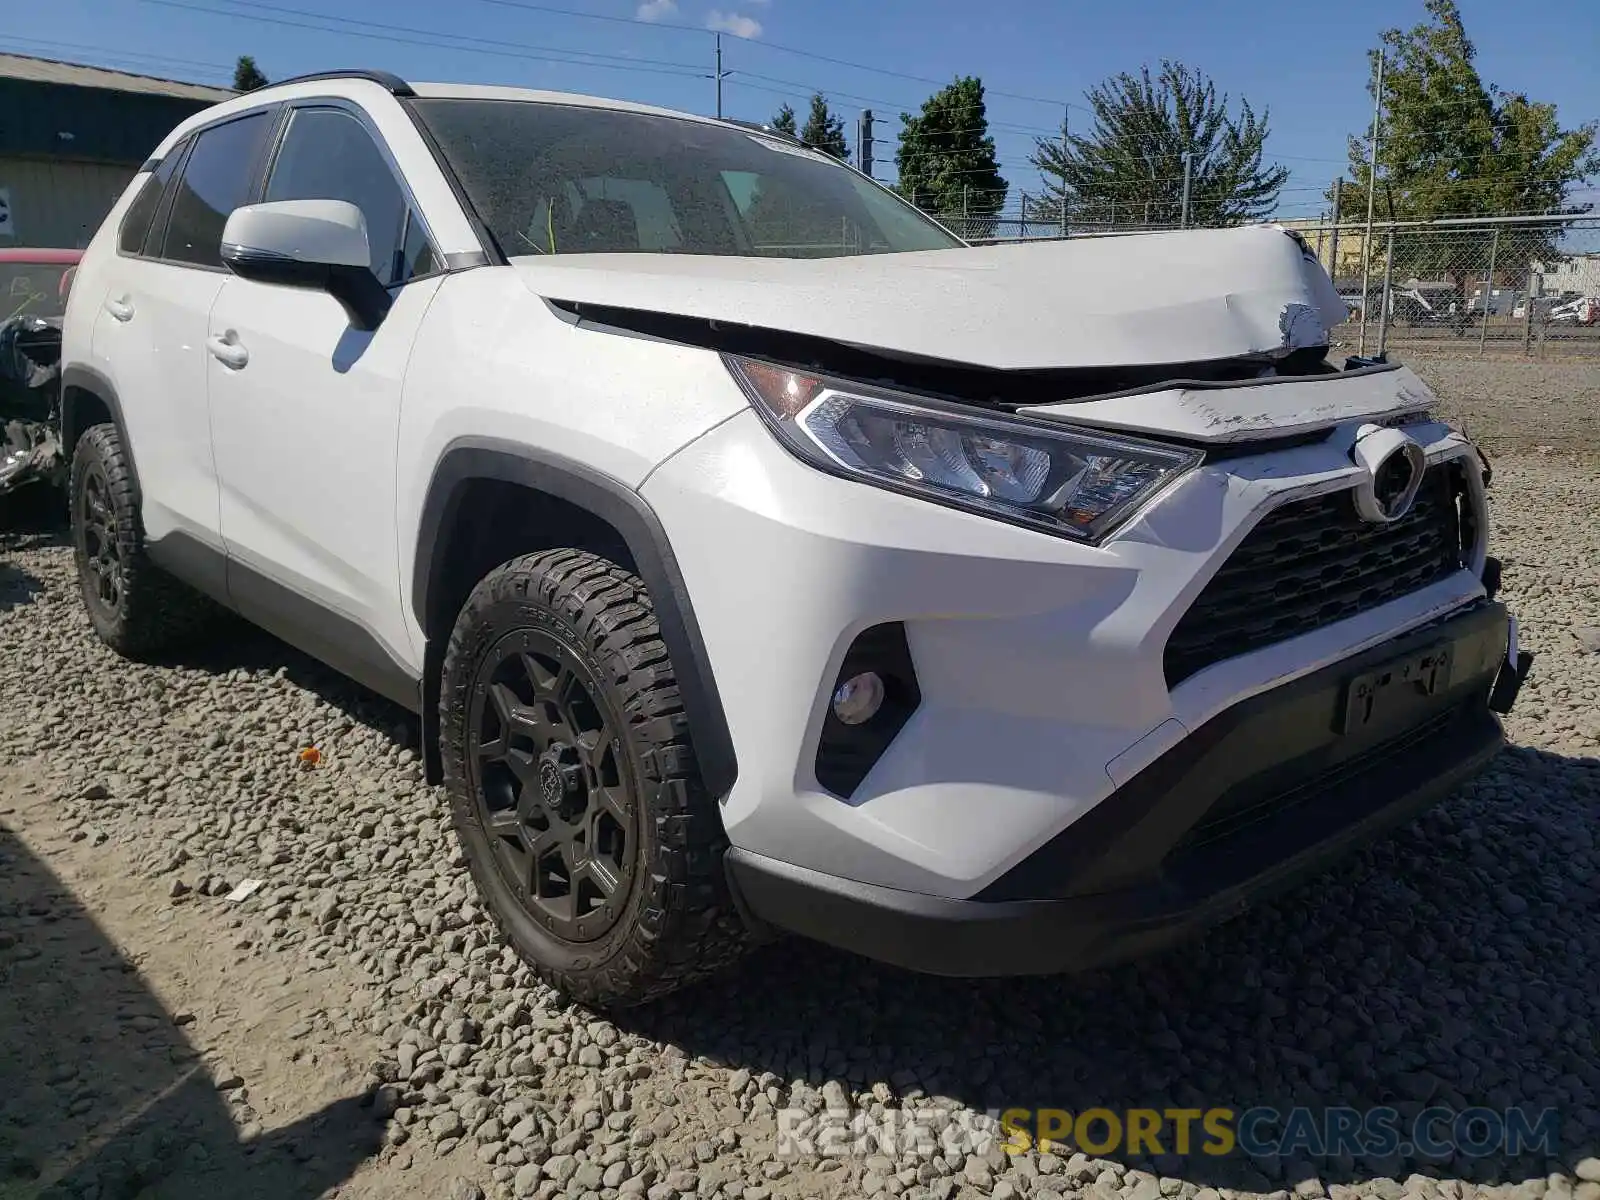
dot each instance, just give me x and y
(1455, 963)
(1515, 406)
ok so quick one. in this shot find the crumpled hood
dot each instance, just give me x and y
(1188, 296)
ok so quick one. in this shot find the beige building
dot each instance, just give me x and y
(1319, 236)
(70, 139)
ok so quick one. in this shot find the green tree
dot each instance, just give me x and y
(784, 121)
(1451, 145)
(824, 130)
(946, 158)
(1128, 168)
(247, 77)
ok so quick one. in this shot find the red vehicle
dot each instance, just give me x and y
(33, 300)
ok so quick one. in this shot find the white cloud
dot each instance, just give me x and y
(657, 10)
(734, 23)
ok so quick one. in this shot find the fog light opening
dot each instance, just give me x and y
(858, 699)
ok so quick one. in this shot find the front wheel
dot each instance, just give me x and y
(573, 784)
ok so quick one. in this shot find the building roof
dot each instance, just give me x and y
(49, 70)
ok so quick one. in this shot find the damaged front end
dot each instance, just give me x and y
(1105, 331)
(30, 403)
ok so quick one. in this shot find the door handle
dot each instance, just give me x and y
(120, 309)
(227, 351)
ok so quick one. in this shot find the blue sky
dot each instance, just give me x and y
(1306, 63)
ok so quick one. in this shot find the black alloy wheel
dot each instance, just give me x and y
(97, 527)
(554, 786)
(136, 608)
(573, 784)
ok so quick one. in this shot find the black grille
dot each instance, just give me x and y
(1314, 562)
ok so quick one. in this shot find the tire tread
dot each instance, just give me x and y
(158, 611)
(687, 927)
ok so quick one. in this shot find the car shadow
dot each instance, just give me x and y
(1403, 977)
(35, 517)
(104, 1096)
(17, 586)
(31, 517)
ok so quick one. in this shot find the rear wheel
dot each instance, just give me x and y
(135, 607)
(573, 784)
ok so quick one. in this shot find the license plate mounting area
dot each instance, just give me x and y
(1397, 685)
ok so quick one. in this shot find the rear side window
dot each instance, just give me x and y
(136, 222)
(217, 179)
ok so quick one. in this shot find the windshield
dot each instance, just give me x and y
(568, 179)
(32, 289)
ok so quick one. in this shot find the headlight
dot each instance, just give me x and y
(1068, 482)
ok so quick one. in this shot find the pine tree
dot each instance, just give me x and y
(1129, 167)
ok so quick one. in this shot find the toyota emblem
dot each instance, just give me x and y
(1392, 464)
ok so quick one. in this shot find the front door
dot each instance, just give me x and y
(305, 413)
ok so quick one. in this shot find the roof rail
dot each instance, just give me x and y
(385, 79)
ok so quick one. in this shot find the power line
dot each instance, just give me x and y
(129, 55)
(461, 37)
(621, 63)
(770, 45)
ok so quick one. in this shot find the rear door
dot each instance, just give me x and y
(151, 328)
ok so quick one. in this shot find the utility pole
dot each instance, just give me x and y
(1488, 290)
(1333, 253)
(1066, 146)
(1188, 172)
(1372, 192)
(720, 76)
(1388, 273)
(864, 142)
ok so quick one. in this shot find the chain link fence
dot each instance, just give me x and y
(1527, 286)
(1515, 284)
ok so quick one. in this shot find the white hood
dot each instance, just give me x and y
(1188, 296)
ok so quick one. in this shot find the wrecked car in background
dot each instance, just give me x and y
(33, 300)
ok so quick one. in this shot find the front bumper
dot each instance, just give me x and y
(1267, 792)
(1041, 682)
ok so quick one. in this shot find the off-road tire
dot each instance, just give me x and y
(153, 612)
(678, 923)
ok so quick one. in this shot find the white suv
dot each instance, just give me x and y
(758, 555)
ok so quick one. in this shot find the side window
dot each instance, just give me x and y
(327, 154)
(418, 257)
(136, 221)
(216, 180)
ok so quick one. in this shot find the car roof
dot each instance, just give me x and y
(474, 91)
(363, 83)
(51, 255)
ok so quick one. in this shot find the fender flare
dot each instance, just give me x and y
(76, 379)
(467, 459)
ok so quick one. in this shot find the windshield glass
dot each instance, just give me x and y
(32, 289)
(567, 179)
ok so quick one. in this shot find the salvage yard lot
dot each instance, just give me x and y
(356, 1024)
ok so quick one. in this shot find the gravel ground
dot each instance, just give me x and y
(1513, 406)
(356, 1026)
